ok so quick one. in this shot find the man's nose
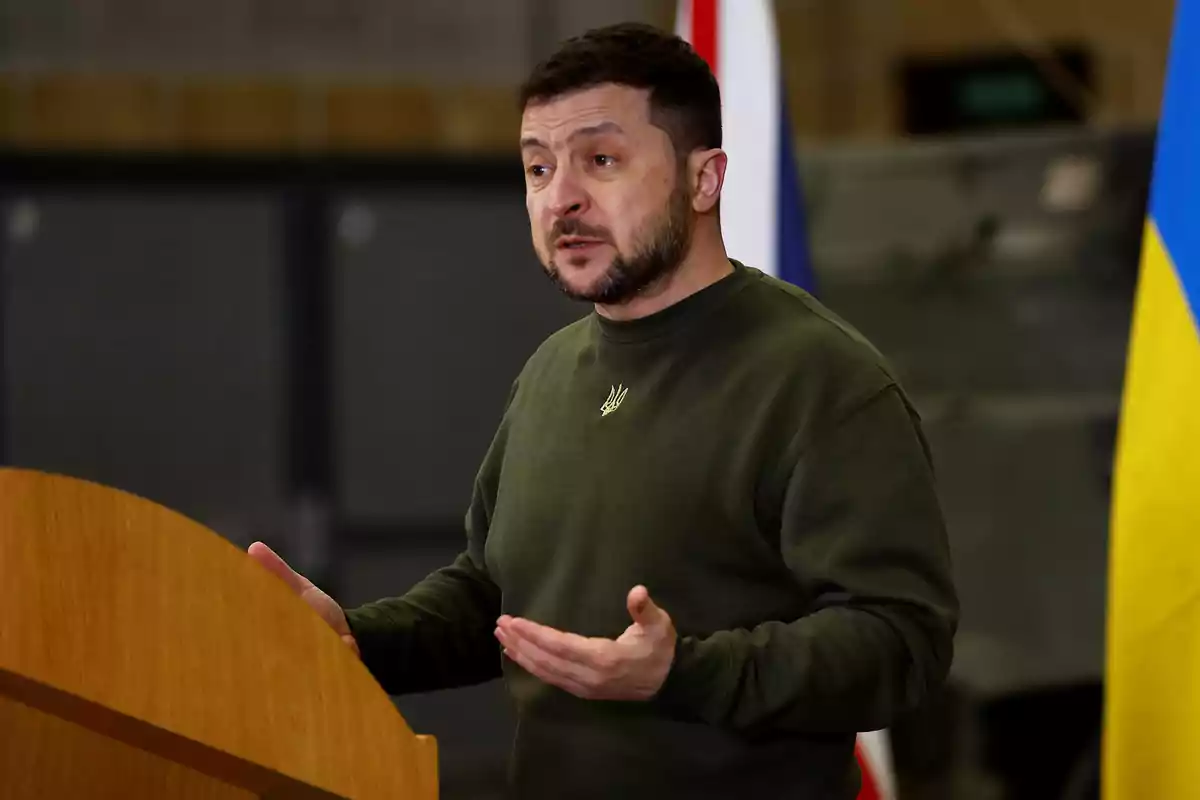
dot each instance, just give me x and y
(568, 198)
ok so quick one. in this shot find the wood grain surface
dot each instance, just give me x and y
(44, 756)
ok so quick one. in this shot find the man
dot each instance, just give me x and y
(704, 548)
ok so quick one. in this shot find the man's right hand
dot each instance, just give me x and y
(325, 606)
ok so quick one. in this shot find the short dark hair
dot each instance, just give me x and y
(685, 99)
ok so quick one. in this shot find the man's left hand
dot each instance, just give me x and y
(631, 667)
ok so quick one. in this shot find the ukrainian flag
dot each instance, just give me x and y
(1152, 687)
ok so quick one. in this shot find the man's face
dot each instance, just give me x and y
(608, 200)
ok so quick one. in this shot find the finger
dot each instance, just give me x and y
(569, 646)
(271, 561)
(580, 673)
(352, 643)
(637, 603)
(643, 609)
(534, 665)
(546, 676)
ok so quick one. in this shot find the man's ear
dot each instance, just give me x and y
(707, 168)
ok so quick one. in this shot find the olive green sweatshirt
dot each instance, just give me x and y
(750, 459)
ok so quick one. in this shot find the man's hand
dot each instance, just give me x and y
(632, 667)
(325, 606)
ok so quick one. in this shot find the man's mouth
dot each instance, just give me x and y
(576, 242)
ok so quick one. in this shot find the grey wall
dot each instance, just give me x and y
(440, 300)
(143, 345)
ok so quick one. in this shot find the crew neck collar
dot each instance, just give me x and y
(675, 316)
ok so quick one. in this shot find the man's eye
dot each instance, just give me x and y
(603, 160)
(537, 170)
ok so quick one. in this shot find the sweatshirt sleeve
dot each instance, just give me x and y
(863, 533)
(440, 634)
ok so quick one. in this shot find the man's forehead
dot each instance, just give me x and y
(607, 108)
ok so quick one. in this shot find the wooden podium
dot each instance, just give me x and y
(143, 656)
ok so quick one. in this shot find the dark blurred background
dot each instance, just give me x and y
(267, 262)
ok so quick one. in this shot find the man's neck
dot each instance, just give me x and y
(701, 268)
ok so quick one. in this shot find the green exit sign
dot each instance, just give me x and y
(993, 91)
(1004, 96)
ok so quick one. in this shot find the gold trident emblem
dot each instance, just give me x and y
(616, 396)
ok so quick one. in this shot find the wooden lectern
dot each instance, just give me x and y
(143, 656)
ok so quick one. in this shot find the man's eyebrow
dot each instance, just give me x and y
(590, 130)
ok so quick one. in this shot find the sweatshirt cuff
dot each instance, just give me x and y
(373, 637)
(358, 622)
(687, 691)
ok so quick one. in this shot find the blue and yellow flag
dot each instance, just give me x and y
(1152, 686)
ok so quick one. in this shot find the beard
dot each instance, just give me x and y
(658, 250)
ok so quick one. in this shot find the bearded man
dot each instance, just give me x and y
(705, 548)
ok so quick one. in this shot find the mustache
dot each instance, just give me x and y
(574, 227)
